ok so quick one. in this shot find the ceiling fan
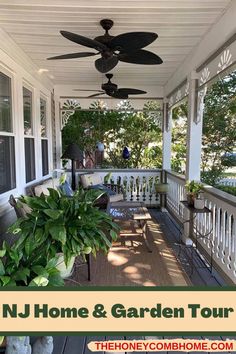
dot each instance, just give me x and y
(126, 47)
(111, 89)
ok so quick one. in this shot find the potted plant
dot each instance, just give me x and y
(161, 187)
(70, 226)
(193, 188)
(29, 268)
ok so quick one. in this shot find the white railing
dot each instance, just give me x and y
(138, 184)
(220, 223)
(229, 181)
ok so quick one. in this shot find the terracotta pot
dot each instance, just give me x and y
(190, 199)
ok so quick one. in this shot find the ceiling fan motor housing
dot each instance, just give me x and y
(109, 87)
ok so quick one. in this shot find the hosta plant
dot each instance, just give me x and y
(60, 224)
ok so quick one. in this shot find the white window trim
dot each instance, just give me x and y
(33, 127)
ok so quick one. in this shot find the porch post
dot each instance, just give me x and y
(58, 133)
(194, 131)
(166, 136)
(194, 143)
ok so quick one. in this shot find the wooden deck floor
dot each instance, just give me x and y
(129, 264)
(200, 276)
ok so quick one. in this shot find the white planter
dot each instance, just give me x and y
(65, 271)
(199, 203)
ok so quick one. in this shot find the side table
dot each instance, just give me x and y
(194, 233)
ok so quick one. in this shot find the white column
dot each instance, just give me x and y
(194, 141)
(58, 132)
(194, 132)
(166, 136)
(37, 127)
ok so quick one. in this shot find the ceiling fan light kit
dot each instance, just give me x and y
(126, 47)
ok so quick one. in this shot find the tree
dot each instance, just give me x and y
(138, 131)
(179, 137)
(219, 133)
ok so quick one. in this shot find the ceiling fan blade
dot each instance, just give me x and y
(130, 91)
(140, 57)
(120, 95)
(132, 41)
(73, 55)
(85, 41)
(97, 94)
(88, 90)
(104, 65)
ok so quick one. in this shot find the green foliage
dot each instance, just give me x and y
(31, 268)
(219, 133)
(193, 187)
(227, 189)
(60, 224)
(179, 136)
(117, 129)
(212, 176)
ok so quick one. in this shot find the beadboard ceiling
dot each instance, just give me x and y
(34, 25)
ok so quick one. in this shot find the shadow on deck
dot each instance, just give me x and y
(129, 263)
(165, 233)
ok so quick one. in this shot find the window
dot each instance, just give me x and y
(44, 145)
(7, 142)
(44, 140)
(27, 104)
(29, 138)
(29, 160)
(5, 104)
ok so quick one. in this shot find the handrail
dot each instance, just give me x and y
(118, 170)
(226, 197)
(175, 174)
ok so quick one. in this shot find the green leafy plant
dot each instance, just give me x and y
(193, 188)
(60, 224)
(32, 269)
(227, 189)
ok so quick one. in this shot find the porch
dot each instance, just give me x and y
(129, 263)
(197, 44)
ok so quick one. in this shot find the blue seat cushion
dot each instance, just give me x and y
(103, 188)
(66, 189)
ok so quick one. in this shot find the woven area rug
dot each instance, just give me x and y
(128, 262)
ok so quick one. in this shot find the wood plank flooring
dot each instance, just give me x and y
(129, 263)
(200, 276)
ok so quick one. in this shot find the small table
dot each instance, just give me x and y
(131, 211)
(193, 213)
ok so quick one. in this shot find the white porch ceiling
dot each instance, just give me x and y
(181, 24)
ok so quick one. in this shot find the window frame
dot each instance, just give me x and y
(13, 134)
(33, 136)
(46, 99)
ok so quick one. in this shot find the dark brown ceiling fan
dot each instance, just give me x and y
(126, 47)
(111, 89)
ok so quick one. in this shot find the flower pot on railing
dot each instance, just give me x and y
(161, 187)
(190, 199)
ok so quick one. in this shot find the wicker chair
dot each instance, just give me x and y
(94, 181)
